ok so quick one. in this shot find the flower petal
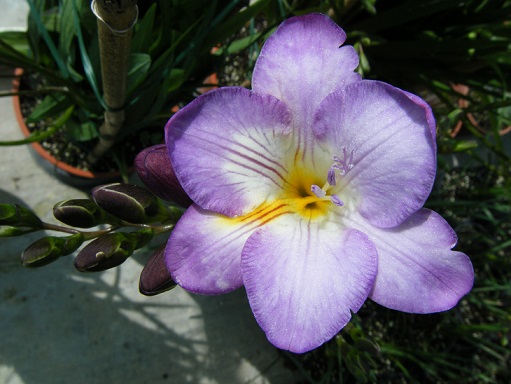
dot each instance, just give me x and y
(394, 152)
(427, 109)
(301, 63)
(303, 279)
(227, 149)
(203, 253)
(417, 271)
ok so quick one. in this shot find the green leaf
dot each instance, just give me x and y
(162, 92)
(144, 31)
(239, 45)
(233, 24)
(153, 92)
(93, 55)
(50, 106)
(17, 40)
(464, 145)
(34, 137)
(87, 65)
(51, 19)
(36, 16)
(41, 135)
(8, 54)
(67, 28)
(138, 68)
(176, 78)
(166, 14)
(81, 131)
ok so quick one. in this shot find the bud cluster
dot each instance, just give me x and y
(120, 218)
(126, 218)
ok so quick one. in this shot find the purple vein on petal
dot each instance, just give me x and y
(236, 143)
(248, 158)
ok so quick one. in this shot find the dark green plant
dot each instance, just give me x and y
(171, 55)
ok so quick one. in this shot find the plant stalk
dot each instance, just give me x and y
(116, 19)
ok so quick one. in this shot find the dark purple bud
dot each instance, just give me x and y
(129, 202)
(110, 250)
(104, 253)
(155, 170)
(155, 277)
(81, 213)
(48, 249)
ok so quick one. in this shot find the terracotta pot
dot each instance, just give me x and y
(70, 175)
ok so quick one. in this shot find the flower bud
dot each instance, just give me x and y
(15, 215)
(110, 250)
(9, 231)
(129, 202)
(155, 170)
(81, 213)
(155, 277)
(48, 249)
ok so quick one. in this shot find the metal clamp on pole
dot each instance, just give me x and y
(94, 8)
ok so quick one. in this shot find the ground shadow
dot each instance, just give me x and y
(60, 326)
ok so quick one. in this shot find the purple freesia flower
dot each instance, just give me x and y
(308, 190)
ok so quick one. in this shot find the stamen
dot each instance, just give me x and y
(331, 177)
(336, 200)
(340, 167)
(319, 192)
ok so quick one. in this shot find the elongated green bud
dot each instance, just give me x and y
(8, 231)
(130, 203)
(81, 213)
(17, 216)
(155, 277)
(48, 249)
(110, 250)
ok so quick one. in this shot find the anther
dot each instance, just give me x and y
(331, 177)
(335, 199)
(318, 191)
